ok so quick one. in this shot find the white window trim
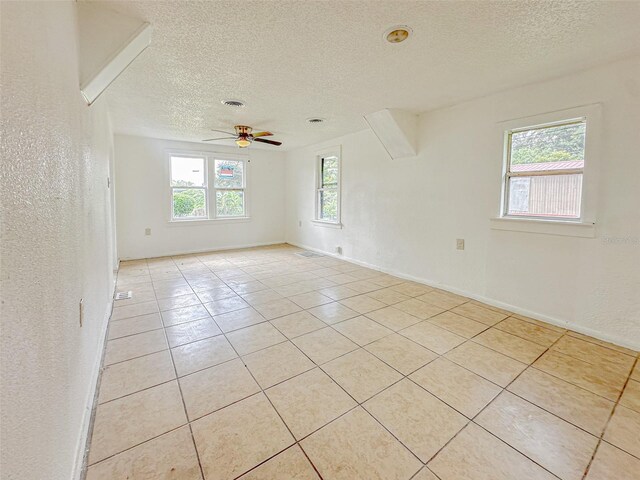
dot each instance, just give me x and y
(585, 225)
(210, 189)
(327, 152)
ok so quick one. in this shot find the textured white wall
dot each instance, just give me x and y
(405, 215)
(55, 242)
(142, 199)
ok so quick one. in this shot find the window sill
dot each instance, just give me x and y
(546, 227)
(322, 223)
(207, 221)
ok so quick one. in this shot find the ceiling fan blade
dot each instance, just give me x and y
(261, 134)
(270, 142)
(221, 138)
(222, 131)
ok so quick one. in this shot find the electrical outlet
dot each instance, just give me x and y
(460, 243)
(81, 309)
(147, 231)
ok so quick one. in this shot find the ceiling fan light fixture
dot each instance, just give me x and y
(397, 34)
(233, 103)
(315, 120)
(243, 142)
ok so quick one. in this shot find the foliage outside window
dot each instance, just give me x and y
(545, 166)
(328, 188)
(194, 177)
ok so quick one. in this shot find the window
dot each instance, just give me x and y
(328, 187)
(544, 171)
(207, 187)
(189, 196)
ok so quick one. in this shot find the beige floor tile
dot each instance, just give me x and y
(361, 374)
(401, 353)
(235, 439)
(202, 354)
(155, 410)
(256, 337)
(388, 296)
(510, 345)
(479, 314)
(238, 319)
(277, 363)
(251, 286)
(393, 318)
(277, 308)
(456, 386)
(357, 447)
(635, 374)
(434, 338)
(540, 323)
(332, 312)
(134, 310)
(424, 474)
(215, 294)
(419, 420)
(362, 330)
(191, 331)
(131, 376)
(551, 442)
(586, 375)
(529, 331)
(385, 280)
(602, 343)
(363, 286)
(324, 345)
(475, 454)
(167, 291)
(631, 396)
(216, 387)
(594, 354)
(290, 465)
(134, 325)
(411, 289)
(338, 292)
(310, 299)
(178, 302)
(487, 363)
(309, 401)
(574, 404)
(623, 430)
(225, 305)
(342, 278)
(263, 296)
(297, 288)
(418, 308)
(171, 456)
(296, 324)
(362, 304)
(184, 314)
(611, 463)
(458, 324)
(133, 346)
(442, 300)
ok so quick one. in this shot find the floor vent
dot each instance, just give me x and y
(123, 295)
(309, 254)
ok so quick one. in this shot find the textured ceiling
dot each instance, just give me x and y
(293, 60)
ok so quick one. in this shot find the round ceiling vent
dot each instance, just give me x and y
(315, 120)
(233, 103)
(397, 34)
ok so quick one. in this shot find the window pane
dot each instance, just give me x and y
(187, 172)
(229, 174)
(329, 205)
(230, 203)
(189, 203)
(545, 196)
(549, 148)
(329, 171)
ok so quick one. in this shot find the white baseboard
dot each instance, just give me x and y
(205, 250)
(82, 448)
(621, 341)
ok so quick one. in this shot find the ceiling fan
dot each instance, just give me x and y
(244, 137)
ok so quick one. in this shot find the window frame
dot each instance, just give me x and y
(214, 189)
(319, 186)
(205, 188)
(508, 175)
(210, 189)
(566, 226)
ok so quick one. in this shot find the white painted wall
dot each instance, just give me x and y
(404, 216)
(55, 243)
(142, 199)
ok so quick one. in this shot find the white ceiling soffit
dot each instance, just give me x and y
(397, 130)
(108, 43)
(291, 60)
